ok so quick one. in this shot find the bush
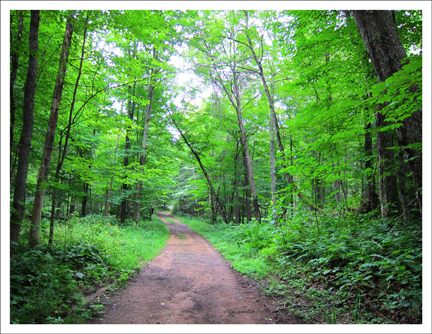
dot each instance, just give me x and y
(378, 261)
(87, 253)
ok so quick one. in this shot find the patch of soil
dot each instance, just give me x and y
(188, 283)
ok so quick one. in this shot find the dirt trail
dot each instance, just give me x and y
(188, 283)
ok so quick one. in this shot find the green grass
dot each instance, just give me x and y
(48, 282)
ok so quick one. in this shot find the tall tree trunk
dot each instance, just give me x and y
(125, 205)
(14, 63)
(143, 157)
(234, 96)
(288, 177)
(247, 192)
(63, 155)
(235, 200)
(272, 164)
(84, 200)
(213, 213)
(247, 158)
(107, 205)
(26, 133)
(385, 49)
(49, 139)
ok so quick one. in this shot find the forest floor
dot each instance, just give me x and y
(189, 283)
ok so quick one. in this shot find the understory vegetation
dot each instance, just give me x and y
(49, 284)
(329, 268)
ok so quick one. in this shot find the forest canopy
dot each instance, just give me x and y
(234, 116)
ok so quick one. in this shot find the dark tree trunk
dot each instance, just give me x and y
(14, 70)
(49, 139)
(212, 207)
(26, 134)
(385, 49)
(85, 199)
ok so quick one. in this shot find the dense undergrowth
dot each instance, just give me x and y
(49, 284)
(329, 268)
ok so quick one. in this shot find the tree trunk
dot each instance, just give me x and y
(49, 139)
(385, 49)
(26, 134)
(234, 95)
(212, 207)
(247, 191)
(248, 161)
(85, 199)
(143, 157)
(13, 75)
(125, 205)
(275, 122)
(107, 205)
(63, 155)
(272, 165)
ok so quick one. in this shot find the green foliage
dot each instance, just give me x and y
(361, 255)
(375, 259)
(47, 281)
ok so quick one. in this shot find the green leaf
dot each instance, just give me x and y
(79, 275)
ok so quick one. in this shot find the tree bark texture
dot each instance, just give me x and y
(386, 51)
(18, 207)
(15, 64)
(49, 139)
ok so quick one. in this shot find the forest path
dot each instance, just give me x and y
(187, 283)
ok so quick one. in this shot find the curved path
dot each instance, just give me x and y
(187, 283)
